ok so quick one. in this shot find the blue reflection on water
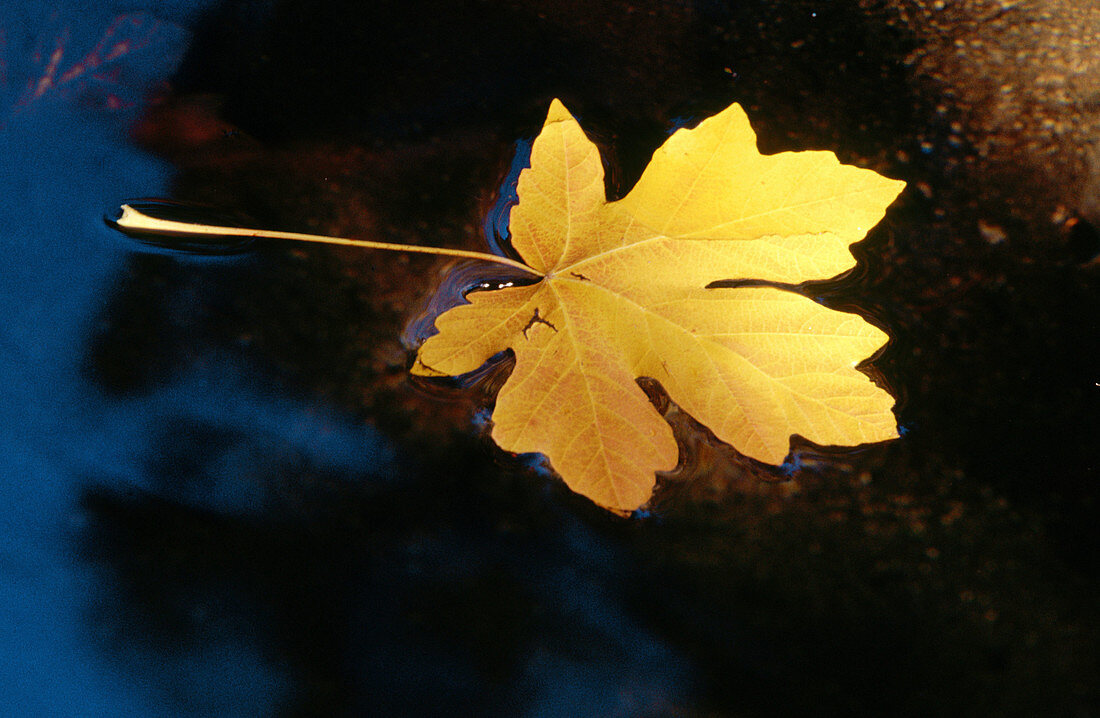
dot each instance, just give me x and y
(72, 79)
(496, 222)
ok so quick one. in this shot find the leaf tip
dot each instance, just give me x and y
(734, 117)
(898, 185)
(419, 368)
(558, 113)
(735, 112)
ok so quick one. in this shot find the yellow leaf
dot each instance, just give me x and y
(623, 295)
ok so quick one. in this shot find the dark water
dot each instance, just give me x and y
(222, 496)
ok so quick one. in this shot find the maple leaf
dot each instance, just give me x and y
(626, 289)
(624, 295)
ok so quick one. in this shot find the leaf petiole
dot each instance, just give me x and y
(134, 221)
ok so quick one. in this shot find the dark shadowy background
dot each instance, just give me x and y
(223, 495)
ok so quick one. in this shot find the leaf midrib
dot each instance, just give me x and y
(693, 237)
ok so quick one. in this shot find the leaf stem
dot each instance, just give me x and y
(134, 221)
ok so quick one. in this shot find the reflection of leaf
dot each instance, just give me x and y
(624, 296)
